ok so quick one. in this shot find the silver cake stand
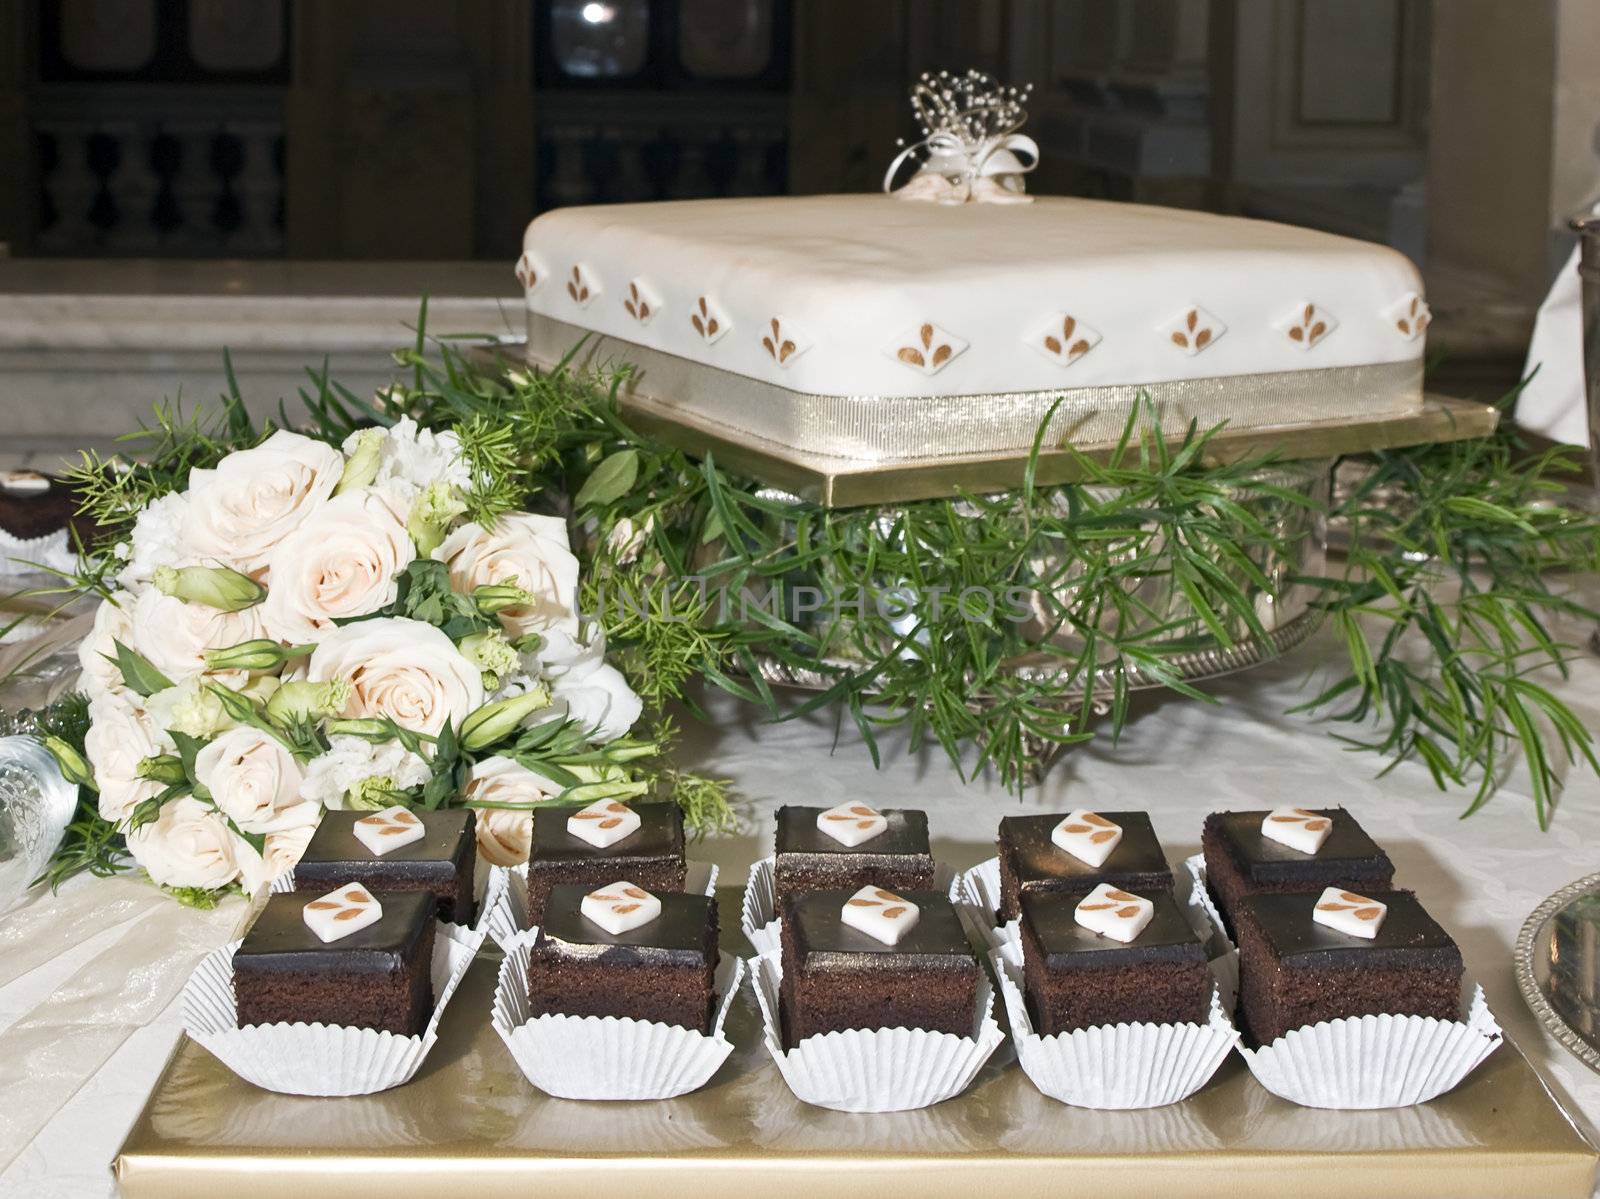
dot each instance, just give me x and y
(1557, 964)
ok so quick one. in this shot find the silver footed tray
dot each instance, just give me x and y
(1557, 964)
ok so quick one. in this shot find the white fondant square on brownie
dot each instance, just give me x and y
(1349, 913)
(852, 823)
(620, 908)
(1296, 828)
(388, 829)
(882, 915)
(342, 912)
(1114, 913)
(603, 823)
(1086, 836)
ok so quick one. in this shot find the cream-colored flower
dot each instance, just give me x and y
(350, 762)
(505, 835)
(600, 700)
(254, 781)
(238, 512)
(188, 845)
(113, 622)
(174, 635)
(279, 853)
(534, 551)
(344, 560)
(403, 669)
(121, 736)
(187, 708)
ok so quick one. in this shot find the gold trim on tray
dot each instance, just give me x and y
(884, 450)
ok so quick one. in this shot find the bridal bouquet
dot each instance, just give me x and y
(305, 627)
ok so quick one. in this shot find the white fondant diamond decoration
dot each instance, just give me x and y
(1114, 913)
(530, 272)
(882, 915)
(1296, 828)
(1086, 836)
(1410, 315)
(603, 823)
(642, 301)
(388, 829)
(1307, 325)
(1347, 912)
(342, 912)
(1062, 338)
(1193, 330)
(582, 285)
(926, 348)
(784, 341)
(620, 908)
(852, 823)
(709, 321)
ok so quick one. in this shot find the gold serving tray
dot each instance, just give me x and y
(471, 1124)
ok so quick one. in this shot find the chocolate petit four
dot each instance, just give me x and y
(1111, 957)
(34, 505)
(396, 849)
(849, 846)
(1306, 956)
(1287, 850)
(875, 958)
(350, 957)
(591, 846)
(620, 950)
(1072, 854)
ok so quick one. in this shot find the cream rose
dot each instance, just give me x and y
(403, 669)
(238, 512)
(188, 845)
(120, 736)
(534, 551)
(505, 835)
(344, 560)
(113, 622)
(254, 781)
(600, 700)
(174, 635)
(279, 853)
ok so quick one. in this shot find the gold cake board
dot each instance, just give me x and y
(471, 1124)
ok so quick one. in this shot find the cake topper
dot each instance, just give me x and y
(1114, 913)
(620, 908)
(882, 915)
(1087, 836)
(970, 144)
(388, 829)
(1297, 828)
(1349, 913)
(852, 823)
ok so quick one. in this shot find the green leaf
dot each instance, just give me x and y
(138, 675)
(610, 481)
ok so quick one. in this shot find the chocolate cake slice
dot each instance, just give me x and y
(661, 969)
(861, 845)
(397, 849)
(836, 976)
(1243, 860)
(1295, 971)
(32, 504)
(650, 854)
(379, 976)
(1032, 862)
(1076, 977)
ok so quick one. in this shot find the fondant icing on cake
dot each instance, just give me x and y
(874, 301)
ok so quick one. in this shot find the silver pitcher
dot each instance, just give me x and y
(1588, 230)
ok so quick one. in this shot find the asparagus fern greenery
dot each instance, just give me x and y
(1002, 627)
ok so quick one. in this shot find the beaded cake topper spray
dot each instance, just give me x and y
(970, 144)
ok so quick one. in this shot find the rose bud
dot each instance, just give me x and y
(366, 728)
(260, 654)
(304, 703)
(494, 598)
(497, 721)
(361, 467)
(163, 768)
(214, 586)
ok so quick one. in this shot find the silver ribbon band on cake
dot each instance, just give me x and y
(908, 428)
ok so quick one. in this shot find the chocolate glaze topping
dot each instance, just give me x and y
(1408, 936)
(906, 836)
(822, 940)
(1138, 863)
(447, 836)
(280, 940)
(659, 835)
(1263, 860)
(1067, 945)
(684, 934)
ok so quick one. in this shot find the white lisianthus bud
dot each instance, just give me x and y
(373, 792)
(497, 721)
(494, 598)
(163, 768)
(189, 708)
(73, 768)
(432, 513)
(303, 702)
(367, 729)
(260, 654)
(365, 449)
(490, 652)
(218, 587)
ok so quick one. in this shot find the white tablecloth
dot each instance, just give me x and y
(86, 977)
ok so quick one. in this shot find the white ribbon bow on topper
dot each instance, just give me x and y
(969, 141)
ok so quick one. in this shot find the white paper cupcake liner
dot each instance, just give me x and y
(758, 910)
(488, 889)
(1376, 1061)
(1113, 1065)
(317, 1059)
(976, 894)
(1207, 920)
(874, 1070)
(607, 1057)
(510, 915)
